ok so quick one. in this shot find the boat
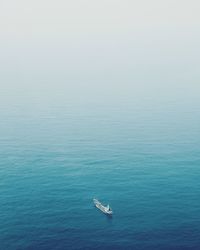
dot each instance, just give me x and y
(105, 209)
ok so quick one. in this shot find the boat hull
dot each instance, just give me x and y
(104, 209)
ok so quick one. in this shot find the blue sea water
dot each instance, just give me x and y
(144, 160)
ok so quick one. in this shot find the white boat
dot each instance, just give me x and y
(104, 209)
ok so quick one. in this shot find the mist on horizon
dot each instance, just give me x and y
(82, 50)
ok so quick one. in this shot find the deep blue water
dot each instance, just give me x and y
(144, 160)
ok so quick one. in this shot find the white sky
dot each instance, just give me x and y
(100, 45)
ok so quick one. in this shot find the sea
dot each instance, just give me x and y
(140, 157)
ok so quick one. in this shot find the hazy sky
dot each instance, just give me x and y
(99, 48)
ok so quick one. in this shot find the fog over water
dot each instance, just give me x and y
(99, 49)
(99, 99)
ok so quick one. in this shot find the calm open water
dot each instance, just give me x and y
(142, 160)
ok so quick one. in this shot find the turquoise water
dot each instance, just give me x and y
(141, 159)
